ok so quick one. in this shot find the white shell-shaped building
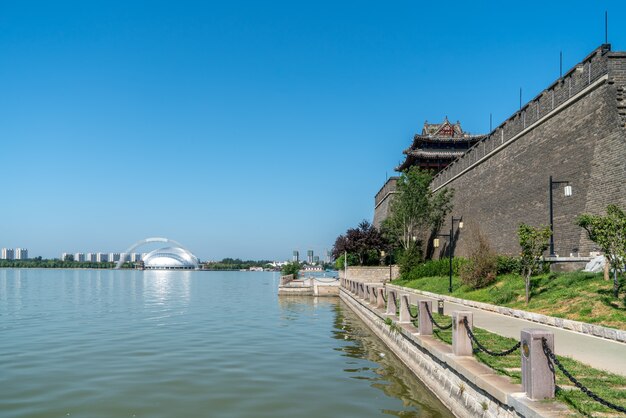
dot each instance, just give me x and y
(170, 258)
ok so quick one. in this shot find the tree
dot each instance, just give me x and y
(534, 241)
(416, 211)
(291, 268)
(69, 257)
(364, 241)
(609, 233)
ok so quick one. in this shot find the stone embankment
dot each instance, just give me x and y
(467, 387)
(311, 286)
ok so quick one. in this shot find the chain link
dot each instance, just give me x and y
(575, 381)
(435, 322)
(485, 349)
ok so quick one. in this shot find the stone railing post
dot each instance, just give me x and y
(380, 301)
(367, 293)
(405, 313)
(537, 378)
(425, 326)
(372, 295)
(361, 290)
(461, 343)
(391, 303)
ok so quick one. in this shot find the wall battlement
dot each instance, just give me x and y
(581, 76)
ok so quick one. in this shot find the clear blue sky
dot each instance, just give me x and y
(248, 128)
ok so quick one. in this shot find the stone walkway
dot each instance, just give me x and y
(594, 351)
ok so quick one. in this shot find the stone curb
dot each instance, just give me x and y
(568, 324)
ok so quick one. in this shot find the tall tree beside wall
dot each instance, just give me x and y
(415, 212)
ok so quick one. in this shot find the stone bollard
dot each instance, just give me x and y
(425, 326)
(405, 313)
(461, 343)
(380, 301)
(361, 291)
(391, 303)
(367, 292)
(537, 377)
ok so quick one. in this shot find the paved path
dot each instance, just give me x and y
(597, 352)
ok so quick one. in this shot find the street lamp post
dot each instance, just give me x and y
(451, 245)
(567, 191)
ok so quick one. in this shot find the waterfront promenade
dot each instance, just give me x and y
(594, 351)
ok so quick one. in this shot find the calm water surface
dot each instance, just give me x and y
(88, 343)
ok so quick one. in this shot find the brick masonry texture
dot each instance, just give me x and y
(383, 200)
(574, 131)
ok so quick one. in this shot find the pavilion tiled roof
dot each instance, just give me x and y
(444, 142)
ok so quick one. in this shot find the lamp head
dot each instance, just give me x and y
(567, 190)
(436, 243)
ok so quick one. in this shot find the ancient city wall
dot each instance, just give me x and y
(575, 131)
(382, 201)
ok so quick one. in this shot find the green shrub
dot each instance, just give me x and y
(433, 268)
(506, 264)
(291, 268)
(480, 269)
(353, 260)
(409, 259)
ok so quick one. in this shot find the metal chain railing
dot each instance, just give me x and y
(575, 381)
(485, 349)
(435, 322)
(411, 313)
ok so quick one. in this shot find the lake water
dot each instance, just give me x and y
(89, 343)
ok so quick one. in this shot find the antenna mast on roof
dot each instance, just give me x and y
(606, 27)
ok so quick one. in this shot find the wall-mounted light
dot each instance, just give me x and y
(461, 225)
(436, 243)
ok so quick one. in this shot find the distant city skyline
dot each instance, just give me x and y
(247, 129)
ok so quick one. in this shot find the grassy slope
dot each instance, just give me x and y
(579, 296)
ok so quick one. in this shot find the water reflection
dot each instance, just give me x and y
(163, 286)
(387, 374)
(367, 358)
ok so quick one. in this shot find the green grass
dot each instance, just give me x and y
(579, 296)
(606, 385)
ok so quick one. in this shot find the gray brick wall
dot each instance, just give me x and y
(585, 144)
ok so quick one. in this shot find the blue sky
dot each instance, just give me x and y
(248, 128)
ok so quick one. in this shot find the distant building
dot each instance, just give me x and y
(7, 254)
(79, 257)
(21, 254)
(135, 257)
(64, 256)
(316, 259)
(114, 257)
(296, 256)
(102, 257)
(91, 257)
(309, 256)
